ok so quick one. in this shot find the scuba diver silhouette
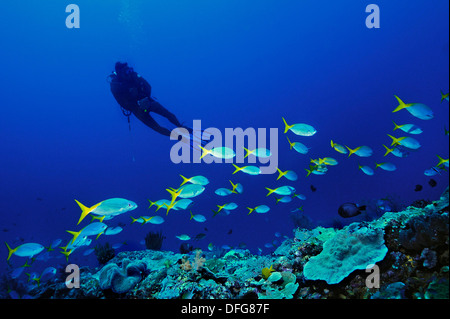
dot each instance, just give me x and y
(133, 93)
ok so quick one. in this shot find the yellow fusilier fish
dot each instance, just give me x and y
(386, 166)
(408, 128)
(405, 141)
(261, 209)
(25, 250)
(109, 207)
(227, 206)
(96, 228)
(186, 191)
(258, 152)
(398, 150)
(290, 175)
(200, 180)
(366, 169)
(219, 152)
(283, 190)
(361, 151)
(299, 147)
(250, 169)
(299, 129)
(339, 148)
(419, 110)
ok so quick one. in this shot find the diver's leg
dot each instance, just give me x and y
(157, 108)
(150, 122)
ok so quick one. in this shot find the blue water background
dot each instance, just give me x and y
(231, 64)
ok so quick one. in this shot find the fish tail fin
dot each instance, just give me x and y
(350, 151)
(134, 219)
(281, 173)
(85, 210)
(395, 140)
(442, 96)
(237, 168)
(215, 212)
(234, 186)
(270, 191)
(151, 203)
(290, 144)
(250, 210)
(66, 253)
(286, 126)
(396, 126)
(441, 160)
(144, 220)
(185, 180)
(247, 152)
(169, 207)
(74, 234)
(377, 165)
(332, 144)
(10, 250)
(175, 193)
(401, 105)
(192, 215)
(388, 150)
(221, 207)
(204, 153)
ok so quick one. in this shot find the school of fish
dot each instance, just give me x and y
(182, 197)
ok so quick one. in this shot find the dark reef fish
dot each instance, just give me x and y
(418, 188)
(347, 210)
(432, 182)
(313, 189)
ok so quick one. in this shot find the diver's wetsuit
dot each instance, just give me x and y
(129, 90)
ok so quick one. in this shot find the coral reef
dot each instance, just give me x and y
(410, 249)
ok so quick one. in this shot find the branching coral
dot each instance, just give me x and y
(197, 263)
